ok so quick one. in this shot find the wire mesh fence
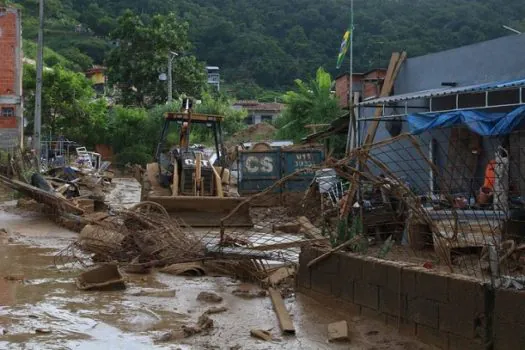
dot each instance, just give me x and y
(447, 200)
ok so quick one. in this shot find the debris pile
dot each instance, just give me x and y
(139, 240)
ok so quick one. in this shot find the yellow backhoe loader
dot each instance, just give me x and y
(188, 185)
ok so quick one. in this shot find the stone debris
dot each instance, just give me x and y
(338, 331)
(261, 334)
(216, 310)
(204, 323)
(155, 293)
(209, 297)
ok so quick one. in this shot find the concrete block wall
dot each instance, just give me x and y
(445, 310)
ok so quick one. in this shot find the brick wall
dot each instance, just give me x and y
(342, 87)
(10, 76)
(444, 310)
(8, 45)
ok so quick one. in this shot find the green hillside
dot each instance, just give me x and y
(270, 43)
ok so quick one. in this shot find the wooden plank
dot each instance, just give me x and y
(393, 69)
(175, 185)
(280, 275)
(287, 245)
(310, 231)
(198, 175)
(218, 182)
(285, 321)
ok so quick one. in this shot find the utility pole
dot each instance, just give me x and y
(171, 57)
(353, 126)
(38, 91)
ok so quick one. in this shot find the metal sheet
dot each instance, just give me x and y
(296, 160)
(440, 92)
(258, 171)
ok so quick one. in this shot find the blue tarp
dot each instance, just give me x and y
(482, 123)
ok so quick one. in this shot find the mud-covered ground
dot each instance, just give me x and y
(41, 308)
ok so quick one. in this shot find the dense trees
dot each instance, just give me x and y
(142, 53)
(270, 43)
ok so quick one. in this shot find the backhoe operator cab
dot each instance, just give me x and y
(189, 183)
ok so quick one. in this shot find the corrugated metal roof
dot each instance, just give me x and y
(440, 92)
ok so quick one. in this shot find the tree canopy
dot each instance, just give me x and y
(142, 53)
(269, 43)
(311, 102)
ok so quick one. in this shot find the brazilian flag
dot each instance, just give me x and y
(344, 47)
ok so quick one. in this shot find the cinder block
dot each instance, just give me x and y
(303, 279)
(432, 336)
(351, 266)
(509, 306)
(456, 342)
(457, 320)
(347, 290)
(462, 291)
(432, 286)
(408, 282)
(508, 336)
(423, 311)
(324, 274)
(393, 277)
(403, 326)
(366, 294)
(392, 303)
(375, 272)
(372, 314)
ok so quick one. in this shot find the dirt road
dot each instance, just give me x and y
(41, 308)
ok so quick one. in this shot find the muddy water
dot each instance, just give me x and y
(38, 295)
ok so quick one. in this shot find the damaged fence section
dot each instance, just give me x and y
(448, 200)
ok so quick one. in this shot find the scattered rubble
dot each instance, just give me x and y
(105, 277)
(43, 331)
(155, 293)
(204, 323)
(249, 293)
(216, 310)
(261, 334)
(209, 297)
(15, 278)
(338, 331)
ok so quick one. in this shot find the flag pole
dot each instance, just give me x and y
(350, 138)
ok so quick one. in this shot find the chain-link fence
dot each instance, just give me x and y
(446, 200)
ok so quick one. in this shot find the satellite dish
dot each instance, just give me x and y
(163, 77)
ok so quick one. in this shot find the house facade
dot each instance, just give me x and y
(487, 77)
(259, 112)
(97, 76)
(11, 116)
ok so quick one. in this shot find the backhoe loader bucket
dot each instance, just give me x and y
(206, 211)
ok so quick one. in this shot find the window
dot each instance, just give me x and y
(8, 112)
